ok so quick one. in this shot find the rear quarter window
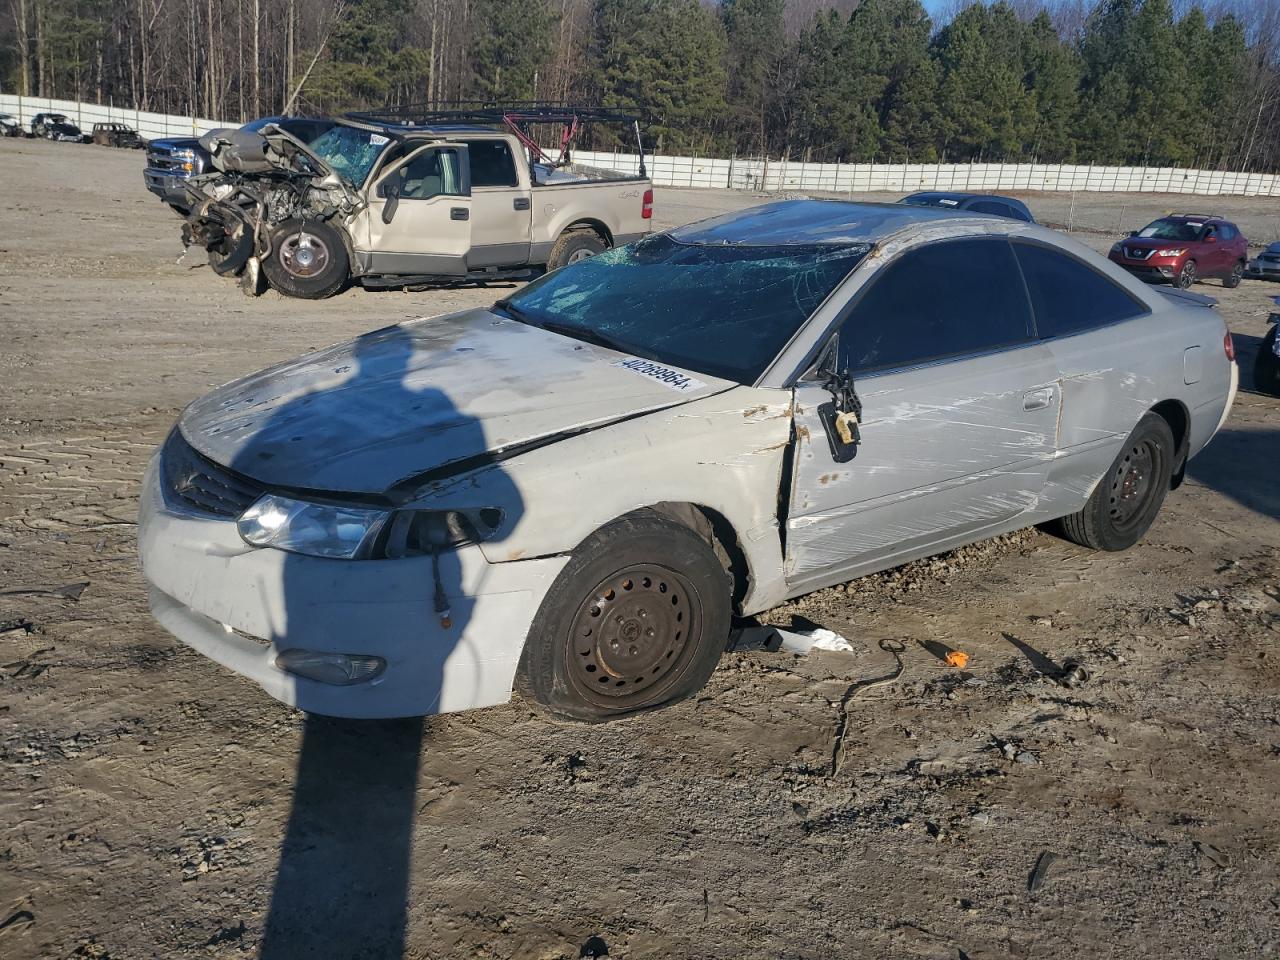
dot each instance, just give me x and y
(1068, 297)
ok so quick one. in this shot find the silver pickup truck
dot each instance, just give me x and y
(394, 202)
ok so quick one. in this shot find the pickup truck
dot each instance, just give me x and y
(398, 202)
(172, 161)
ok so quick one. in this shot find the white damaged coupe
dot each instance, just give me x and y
(572, 492)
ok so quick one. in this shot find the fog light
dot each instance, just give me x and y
(337, 668)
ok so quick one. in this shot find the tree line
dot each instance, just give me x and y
(1149, 82)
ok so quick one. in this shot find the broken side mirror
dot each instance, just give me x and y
(390, 189)
(842, 415)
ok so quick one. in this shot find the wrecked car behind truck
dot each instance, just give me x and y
(572, 492)
(404, 199)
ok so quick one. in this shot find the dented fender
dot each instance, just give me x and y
(723, 452)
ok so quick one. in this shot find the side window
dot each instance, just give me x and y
(1226, 232)
(1209, 231)
(1069, 297)
(491, 164)
(945, 299)
(431, 174)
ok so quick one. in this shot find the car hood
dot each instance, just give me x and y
(387, 411)
(1152, 243)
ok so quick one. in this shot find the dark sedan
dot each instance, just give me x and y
(973, 202)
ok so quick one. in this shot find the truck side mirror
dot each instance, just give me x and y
(390, 189)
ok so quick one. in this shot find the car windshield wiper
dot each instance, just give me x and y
(514, 312)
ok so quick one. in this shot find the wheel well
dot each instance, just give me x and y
(593, 225)
(716, 529)
(1175, 414)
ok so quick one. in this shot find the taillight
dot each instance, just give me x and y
(646, 205)
(1229, 346)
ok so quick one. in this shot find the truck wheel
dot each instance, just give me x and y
(308, 259)
(1125, 503)
(575, 245)
(638, 618)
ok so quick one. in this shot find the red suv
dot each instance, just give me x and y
(1183, 248)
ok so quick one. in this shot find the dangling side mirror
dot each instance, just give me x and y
(842, 416)
(390, 189)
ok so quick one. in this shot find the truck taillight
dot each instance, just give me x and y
(1229, 346)
(646, 206)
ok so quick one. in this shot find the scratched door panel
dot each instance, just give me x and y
(947, 449)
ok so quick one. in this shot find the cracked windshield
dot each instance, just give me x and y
(653, 299)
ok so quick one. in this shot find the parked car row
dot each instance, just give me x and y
(56, 126)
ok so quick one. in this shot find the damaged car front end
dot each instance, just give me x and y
(268, 188)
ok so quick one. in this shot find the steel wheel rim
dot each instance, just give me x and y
(1133, 484)
(304, 254)
(581, 254)
(633, 635)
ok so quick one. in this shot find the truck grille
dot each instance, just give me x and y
(159, 158)
(195, 483)
(1137, 253)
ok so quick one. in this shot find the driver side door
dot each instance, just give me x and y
(418, 221)
(959, 416)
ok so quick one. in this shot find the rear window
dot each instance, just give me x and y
(726, 311)
(491, 164)
(1069, 297)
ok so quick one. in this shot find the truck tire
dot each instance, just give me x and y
(1125, 502)
(575, 245)
(308, 259)
(637, 619)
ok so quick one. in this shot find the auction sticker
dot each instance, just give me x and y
(676, 380)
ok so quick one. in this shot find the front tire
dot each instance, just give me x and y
(308, 260)
(1187, 275)
(637, 619)
(1124, 504)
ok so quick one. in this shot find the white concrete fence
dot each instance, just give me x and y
(780, 175)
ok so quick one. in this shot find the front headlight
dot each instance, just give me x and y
(1171, 252)
(361, 533)
(316, 529)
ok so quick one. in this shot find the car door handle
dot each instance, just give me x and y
(1037, 399)
(521, 203)
(459, 213)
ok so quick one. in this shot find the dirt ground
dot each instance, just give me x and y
(154, 805)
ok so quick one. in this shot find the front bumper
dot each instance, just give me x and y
(242, 607)
(1154, 270)
(1262, 270)
(168, 186)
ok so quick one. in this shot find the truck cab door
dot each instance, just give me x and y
(502, 204)
(419, 215)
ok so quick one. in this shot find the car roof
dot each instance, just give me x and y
(811, 222)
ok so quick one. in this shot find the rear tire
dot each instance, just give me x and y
(308, 259)
(574, 246)
(1232, 279)
(1125, 502)
(1187, 275)
(637, 619)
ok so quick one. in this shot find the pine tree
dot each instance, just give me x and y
(666, 56)
(512, 42)
(756, 48)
